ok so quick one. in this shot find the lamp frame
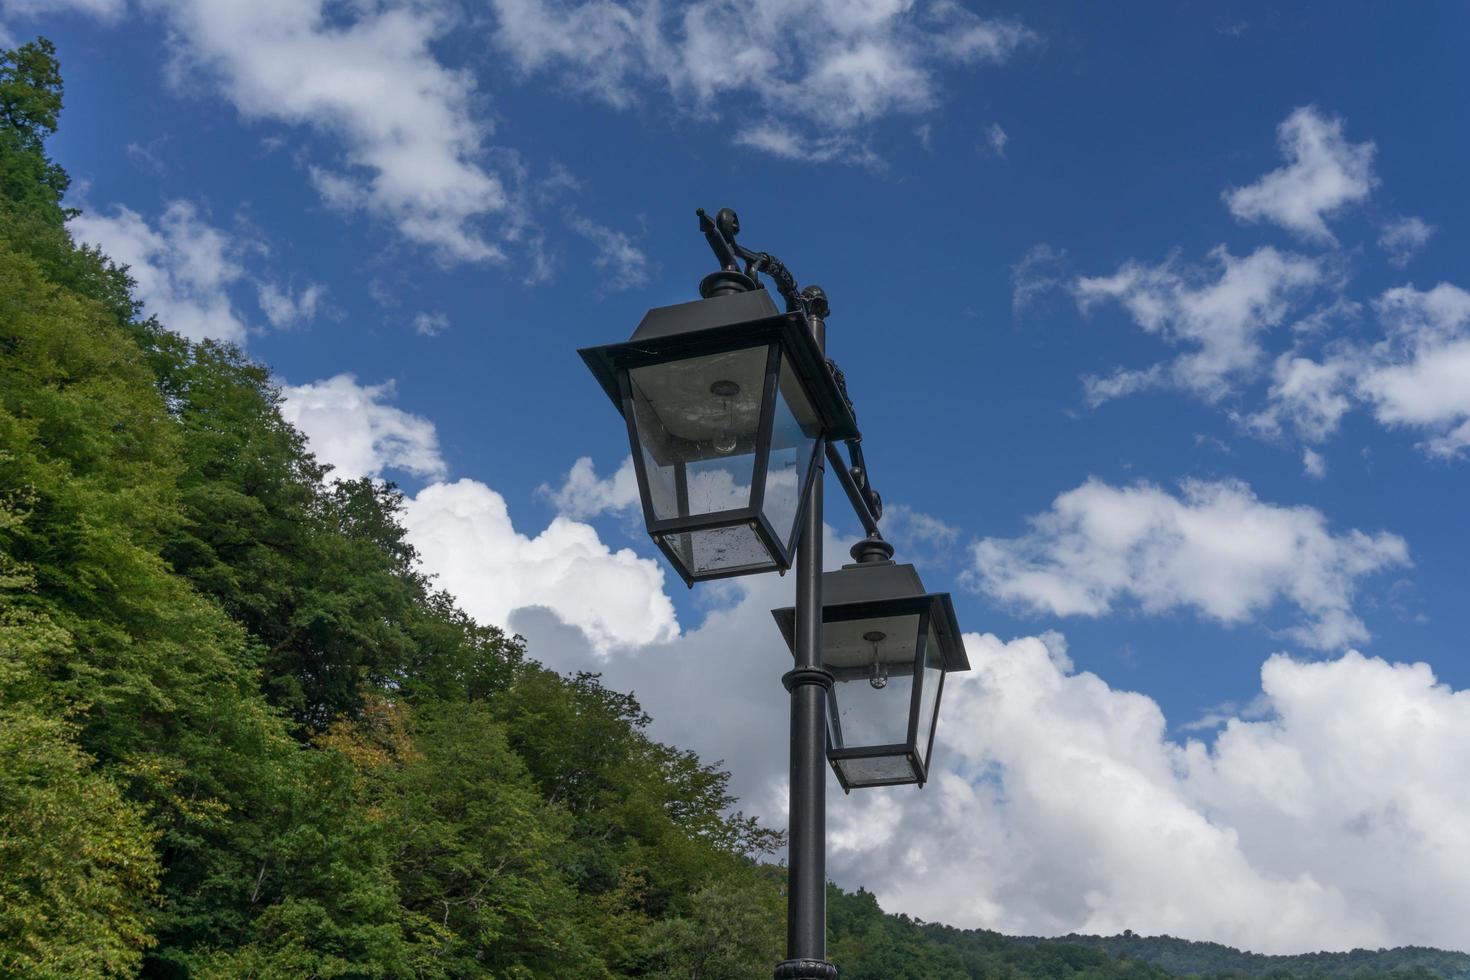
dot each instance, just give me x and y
(719, 325)
(782, 550)
(879, 590)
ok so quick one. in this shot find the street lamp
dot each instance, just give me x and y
(733, 411)
(726, 402)
(888, 644)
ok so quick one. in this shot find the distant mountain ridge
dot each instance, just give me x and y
(1182, 957)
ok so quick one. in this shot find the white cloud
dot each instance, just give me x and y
(285, 308)
(463, 531)
(1420, 374)
(1322, 816)
(1215, 548)
(790, 143)
(1404, 238)
(856, 63)
(912, 531)
(1324, 174)
(105, 9)
(464, 537)
(1040, 271)
(1310, 396)
(583, 494)
(1314, 464)
(996, 139)
(623, 264)
(184, 267)
(350, 427)
(365, 75)
(430, 324)
(1218, 312)
(1414, 377)
(1330, 823)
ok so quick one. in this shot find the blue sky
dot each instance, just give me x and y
(1155, 325)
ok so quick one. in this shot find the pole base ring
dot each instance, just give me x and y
(806, 970)
(820, 676)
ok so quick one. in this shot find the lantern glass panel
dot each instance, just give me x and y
(873, 661)
(793, 441)
(882, 769)
(719, 551)
(697, 421)
(929, 692)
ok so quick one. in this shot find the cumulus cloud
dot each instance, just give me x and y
(351, 427)
(1404, 238)
(364, 75)
(1308, 396)
(584, 494)
(1314, 464)
(430, 324)
(1413, 377)
(184, 267)
(1320, 815)
(1323, 816)
(1324, 174)
(284, 307)
(465, 539)
(1217, 312)
(1214, 548)
(857, 62)
(1417, 376)
(464, 534)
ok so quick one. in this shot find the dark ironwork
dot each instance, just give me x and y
(786, 386)
(862, 604)
(809, 684)
(686, 356)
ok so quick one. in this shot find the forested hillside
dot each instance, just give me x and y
(241, 735)
(1180, 956)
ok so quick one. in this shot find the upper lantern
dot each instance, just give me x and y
(727, 402)
(889, 645)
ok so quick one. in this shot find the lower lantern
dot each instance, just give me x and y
(888, 645)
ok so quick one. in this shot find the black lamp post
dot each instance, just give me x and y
(732, 410)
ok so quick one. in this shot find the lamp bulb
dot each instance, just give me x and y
(726, 441)
(878, 677)
(878, 673)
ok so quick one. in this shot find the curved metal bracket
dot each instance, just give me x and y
(811, 302)
(720, 232)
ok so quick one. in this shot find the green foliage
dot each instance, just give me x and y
(243, 735)
(731, 931)
(88, 874)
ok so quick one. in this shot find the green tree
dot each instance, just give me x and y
(81, 874)
(731, 931)
(476, 850)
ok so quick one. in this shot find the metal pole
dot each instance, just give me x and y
(808, 682)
